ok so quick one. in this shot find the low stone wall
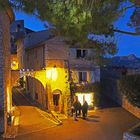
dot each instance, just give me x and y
(129, 136)
(129, 107)
(131, 133)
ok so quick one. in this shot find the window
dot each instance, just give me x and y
(19, 28)
(82, 76)
(81, 53)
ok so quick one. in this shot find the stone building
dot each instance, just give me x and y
(18, 33)
(45, 71)
(84, 72)
(6, 17)
(49, 67)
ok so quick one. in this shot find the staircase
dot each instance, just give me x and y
(59, 116)
(50, 116)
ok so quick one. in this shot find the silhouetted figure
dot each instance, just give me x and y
(79, 109)
(75, 107)
(85, 109)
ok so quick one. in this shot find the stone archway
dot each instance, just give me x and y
(37, 91)
(33, 88)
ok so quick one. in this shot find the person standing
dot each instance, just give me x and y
(79, 108)
(75, 108)
(85, 109)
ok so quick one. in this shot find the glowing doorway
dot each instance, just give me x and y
(87, 96)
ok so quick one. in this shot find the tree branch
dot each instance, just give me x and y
(128, 7)
(126, 32)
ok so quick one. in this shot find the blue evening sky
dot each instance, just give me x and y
(127, 44)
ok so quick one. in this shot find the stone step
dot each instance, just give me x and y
(50, 116)
(60, 116)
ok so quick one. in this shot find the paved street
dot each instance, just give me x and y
(104, 124)
(31, 120)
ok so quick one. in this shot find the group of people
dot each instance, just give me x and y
(77, 108)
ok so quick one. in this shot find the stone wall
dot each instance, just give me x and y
(111, 88)
(129, 107)
(4, 61)
(14, 77)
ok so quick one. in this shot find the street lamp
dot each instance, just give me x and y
(51, 75)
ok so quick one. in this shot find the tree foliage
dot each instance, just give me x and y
(129, 86)
(76, 19)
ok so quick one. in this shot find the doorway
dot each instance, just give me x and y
(56, 100)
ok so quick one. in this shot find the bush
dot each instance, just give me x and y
(130, 88)
(97, 94)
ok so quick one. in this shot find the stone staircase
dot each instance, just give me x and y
(59, 116)
(52, 116)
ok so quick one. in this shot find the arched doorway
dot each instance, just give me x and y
(56, 99)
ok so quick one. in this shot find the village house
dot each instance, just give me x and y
(46, 68)
(54, 72)
(17, 32)
(84, 72)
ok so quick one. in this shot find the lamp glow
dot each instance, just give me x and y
(14, 65)
(52, 74)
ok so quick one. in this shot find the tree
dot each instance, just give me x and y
(76, 19)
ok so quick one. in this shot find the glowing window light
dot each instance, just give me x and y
(52, 74)
(88, 97)
(14, 65)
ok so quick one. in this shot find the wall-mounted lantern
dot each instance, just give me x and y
(52, 73)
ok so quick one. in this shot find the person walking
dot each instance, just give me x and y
(75, 108)
(79, 108)
(84, 109)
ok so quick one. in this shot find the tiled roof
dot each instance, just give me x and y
(35, 38)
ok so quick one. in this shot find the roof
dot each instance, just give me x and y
(27, 30)
(87, 45)
(35, 38)
(82, 64)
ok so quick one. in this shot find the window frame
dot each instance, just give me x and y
(82, 77)
(81, 53)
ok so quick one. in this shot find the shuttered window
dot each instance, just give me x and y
(82, 76)
(80, 53)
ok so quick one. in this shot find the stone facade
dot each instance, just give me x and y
(48, 76)
(5, 75)
(84, 73)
